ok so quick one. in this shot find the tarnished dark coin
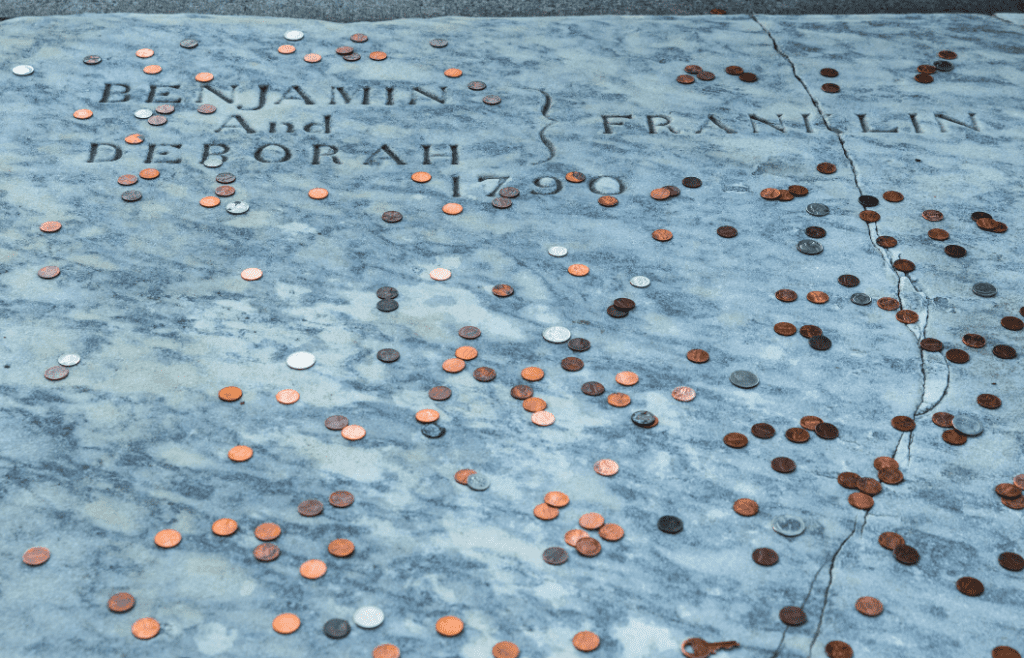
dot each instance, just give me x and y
(509, 192)
(522, 392)
(432, 431)
(121, 602)
(815, 232)
(56, 373)
(955, 251)
(692, 182)
(1004, 352)
(826, 431)
(555, 555)
(438, 43)
(766, 557)
(224, 190)
(989, 401)
(1011, 561)
(388, 355)
(792, 616)
(439, 393)
(341, 499)
(838, 649)
(92, 59)
(189, 43)
(734, 70)
(351, 57)
(484, 374)
(820, 342)
(387, 305)
(705, 75)
(870, 486)
(958, 356)
(266, 552)
(336, 423)
(727, 232)
(763, 431)
(848, 480)
(970, 586)
(672, 190)
(624, 304)
(501, 202)
(476, 85)
(491, 100)
(225, 178)
(588, 547)
(310, 507)
(206, 108)
(345, 50)
(747, 76)
(797, 435)
(931, 345)
(849, 281)
(786, 295)
(386, 292)
(643, 418)
(127, 179)
(156, 120)
(783, 465)
(670, 524)
(616, 312)
(829, 73)
(578, 344)
(810, 331)
(502, 290)
(906, 554)
(336, 628)
(890, 475)
(890, 540)
(469, 333)
(572, 364)
(592, 388)
(392, 216)
(131, 195)
(166, 108)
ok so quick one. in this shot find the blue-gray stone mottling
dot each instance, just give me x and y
(135, 439)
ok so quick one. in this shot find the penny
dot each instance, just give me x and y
(1011, 561)
(586, 641)
(810, 331)
(336, 629)
(1011, 323)
(449, 626)
(440, 274)
(579, 269)
(266, 552)
(341, 499)
(121, 602)
(311, 507)
(287, 396)
(575, 177)
(660, 194)
(888, 303)
(735, 440)
(869, 606)
(770, 193)
(697, 356)
(209, 202)
(368, 617)
(970, 586)
(505, 650)
(670, 524)
(555, 555)
(606, 201)
(1018, 480)
(167, 538)
(890, 540)
(36, 556)
(683, 393)
(627, 378)
(240, 454)
(50, 227)
(890, 475)
(50, 271)
(591, 521)
(826, 168)
(82, 114)
(351, 57)
(685, 79)
(56, 373)
(765, 557)
(376, 56)
(797, 435)
(955, 251)
(588, 547)
(783, 465)
(870, 486)
(152, 69)
(786, 295)
(861, 500)
(453, 73)
(286, 623)
(906, 554)
(267, 531)
(952, 437)
(931, 345)
(286, 49)
(594, 389)
(145, 628)
(573, 536)
(611, 532)
(989, 401)
(341, 548)
(616, 312)
(830, 88)
(745, 507)
(542, 418)
(1004, 352)
(705, 75)
(817, 297)
(545, 512)
(572, 364)
(792, 616)
(353, 432)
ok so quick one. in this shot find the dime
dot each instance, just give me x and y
(300, 360)
(368, 617)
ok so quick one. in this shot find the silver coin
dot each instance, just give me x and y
(788, 526)
(237, 207)
(478, 482)
(557, 252)
(817, 209)
(23, 69)
(293, 35)
(189, 43)
(809, 247)
(301, 360)
(984, 290)
(438, 43)
(68, 360)
(213, 161)
(557, 334)
(967, 424)
(744, 379)
(639, 282)
(860, 299)
(368, 617)
(143, 113)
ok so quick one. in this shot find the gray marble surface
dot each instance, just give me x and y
(135, 439)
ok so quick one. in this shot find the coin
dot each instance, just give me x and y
(588, 547)
(167, 538)
(341, 548)
(293, 35)
(449, 626)
(311, 507)
(145, 628)
(478, 482)
(792, 616)
(869, 606)
(586, 641)
(300, 360)
(286, 624)
(35, 556)
(224, 527)
(287, 396)
(22, 69)
(121, 602)
(745, 507)
(312, 569)
(336, 628)
(765, 557)
(266, 552)
(970, 586)
(787, 525)
(743, 379)
(639, 282)
(556, 334)
(606, 467)
(51, 271)
(368, 617)
(670, 524)
(555, 555)
(906, 554)
(237, 207)
(890, 540)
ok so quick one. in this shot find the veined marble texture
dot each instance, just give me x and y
(135, 439)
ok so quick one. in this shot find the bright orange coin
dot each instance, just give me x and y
(451, 209)
(312, 58)
(167, 538)
(427, 415)
(145, 628)
(466, 353)
(386, 651)
(534, 404)
(543, 418)
(252, 273)
(453, 73)
(318, 193)
(230, 393)
(286, 623)
(149, 174)
(82, 114)
(505, 650)
(352, 432)
(144, 52)
(591, 521)
(286, 49)
(204, 77)
(152, 69)
(240, 454)
(449, 626)
(209, 202)
(224, 527)
(341, 548)
(545, 512)
(574, 535)
(556, 499)
(50, 227)
(313, 569)
(134, 138)
(579, 270)
(288, 396)
(627, 378)
(532, 374)
(618, 400)
(608, 201)
(586, 641)
(440, 274)
(453, 365)
(378, 55)
(267, 531)
(611, 532)
(421, 177)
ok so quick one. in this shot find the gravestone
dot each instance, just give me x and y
(393, 170)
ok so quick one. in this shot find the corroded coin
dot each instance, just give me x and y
(765, 557)
(792, 616)
(392, 216)
(522, 392)
(336, 423)
(890, 540)
(555, 555)
(121, 602)
(783, 465)
(266, 552)
(310, 507)
(56, 373)
(35, 556)
(906, 554)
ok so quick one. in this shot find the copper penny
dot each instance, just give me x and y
(989, 401)
(386, 651)
(575, 177)
(861, 500)
(240, 454)
(970, 586)
(82, 114)
(938, 234)
(252, 274)
(882, 463)
(542, 418)
(870, 486)
(762, 430)
(829, 73)
(145, 628)
(611, 532)
(484, 374)
(224, 190)
(533, 405)
(48, 272)
(144, 52)
(685, 79)
(439, 393)
(786, 295)
(556, 499)
(532, 374)
(427, 415)
(167, 538)
(287, 396)
(591, 521)
(797, 435)
(572, 364)
(313, 58)
(312, 569)
(1018, 480)
(697, 356)
(286, 624)
(341, 548)
(204, 77)
(545, 512)
(266, 552)
(618, 399)
(792, 616)
(606, 467)
(449, 626)
(785, 329)
(50, 227)
(932, 215)
(341, 499)
(952, 437)
(783, 465)
(224, 527)
(318, 193)
(267, 531)
(660, 194)
(907, 316)
(869, 605)
(311, 507)
(848, 480)
(903, 424)
(683, 393)
(745, 507)
(890, 540)
(35, 556)
(888, 303)
(608, 201)
(453, 365)
(588, 547)
(869, 216)
(785, 195)
(121, 602)
(574, 535)
(209, 202)
(152, 69)
(586, 641)
(1008, 490)
(886, 241)
(505, 650)
(1011, 561)
(931, 345)
(230, 393)
(149, 174)
(522, 392)
(906, 554)
(765, 557)
(798, 190)
(451, 209)
(735, 440)
(947, 54)
(627, 378)
(1011, 323)
(462, 476)
(892, 196)
(903, 265)
(502, 290)
(452, 73)
(770, 193)
(662, 235)
(421, 177)
(579, 269)
(353, 432)
(1004, 352)
(890, 476)
(817, 297)
(286, 49)
(1013, 503)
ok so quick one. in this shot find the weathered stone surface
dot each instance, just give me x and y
(135, 440)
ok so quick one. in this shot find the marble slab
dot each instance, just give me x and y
(135, 439)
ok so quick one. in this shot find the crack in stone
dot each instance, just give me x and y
(872, 235)
(831, 569)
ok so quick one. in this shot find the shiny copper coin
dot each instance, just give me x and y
(267, 531)
(826, 168)
(660, 194)
(989, 401)
(952, 437)
(938, 234)
(266, 552)
(287, 396)
(318, 193)
(286, 624)
(618, 399)
(765, 557)
(611, 532)
(421, 177)
(588, 547)
(591, 521)
(145, 628)
(685, 79)
(462, 476)
(82, 114)
(542, 418)
(735, 440)
(817, 297)
(662, 235)
(892, 196)
(240, 454)
(121, 602)
(888, 303)
(810, 422)
(353, 432)
(312, 569)
(522, 392)
(786, 295)
(50, 227)
(439, 393)
(224, 527)
(152, 69)
(579, 269)
(932, 215)
(606, 467)
(341, 499)
(149, 174)
(1008, 490)
(586, 641)
(907, 316)
(608, 201)
(861, 500)
(533, 405)
(869, 605)
(683, 393)
(545, 512)
(427, 415)
(167, 538)
(200, 77)
(848, 480)
(313, 58)
(35, 556)
(785, 329)
(505, 650)
(697, 356)
(341, 548)
(209, 202)
(286, 49)
(48, 272)
(440, 274)
(449, 626)
(890, 540)
(386, 651)
(970, 586)
(770, 193)
(745, 507)
(144, 52)
(453, 365)
(903, 265)
(575, 177)
(224, 190)
(252, 274)
(453, 73)
(230, 393)
(627, 378)
(532, 374)
(574, 535)
(502, 290)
